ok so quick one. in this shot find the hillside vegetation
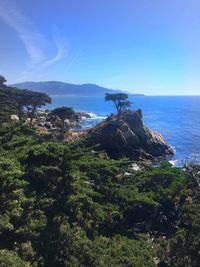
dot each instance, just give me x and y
(62, 205)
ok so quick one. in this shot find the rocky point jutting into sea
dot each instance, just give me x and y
(128, 136)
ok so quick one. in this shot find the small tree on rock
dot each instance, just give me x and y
(64, 113)
(120, 101)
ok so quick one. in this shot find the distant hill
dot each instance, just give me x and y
(61, 88)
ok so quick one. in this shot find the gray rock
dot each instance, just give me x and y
(129, 137)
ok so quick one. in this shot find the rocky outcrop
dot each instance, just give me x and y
(128, 136)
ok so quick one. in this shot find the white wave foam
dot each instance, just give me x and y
(173, 162)
(95, 116)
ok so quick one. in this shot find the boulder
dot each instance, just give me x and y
(128, 136)
(14, 117)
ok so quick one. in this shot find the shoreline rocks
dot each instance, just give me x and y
(49, 123)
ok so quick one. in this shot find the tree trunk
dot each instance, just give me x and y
(32, 113)
(20, 109)
(118, 112)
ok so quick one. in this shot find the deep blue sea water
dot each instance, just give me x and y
(177, 118)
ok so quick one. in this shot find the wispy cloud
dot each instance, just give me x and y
(74, 59)
(61, 45)
(35, 43)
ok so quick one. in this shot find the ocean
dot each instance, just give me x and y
(177, 118)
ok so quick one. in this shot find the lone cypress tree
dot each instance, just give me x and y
(120, 101)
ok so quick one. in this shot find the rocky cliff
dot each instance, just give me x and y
(128, 136)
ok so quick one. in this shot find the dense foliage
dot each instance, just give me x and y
(63, 204)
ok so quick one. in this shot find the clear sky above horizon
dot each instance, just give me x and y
(141, 46)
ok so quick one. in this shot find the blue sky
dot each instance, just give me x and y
(142, 46)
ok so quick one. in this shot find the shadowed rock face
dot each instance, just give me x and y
(129, 137)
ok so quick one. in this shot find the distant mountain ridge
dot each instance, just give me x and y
(61, 88)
